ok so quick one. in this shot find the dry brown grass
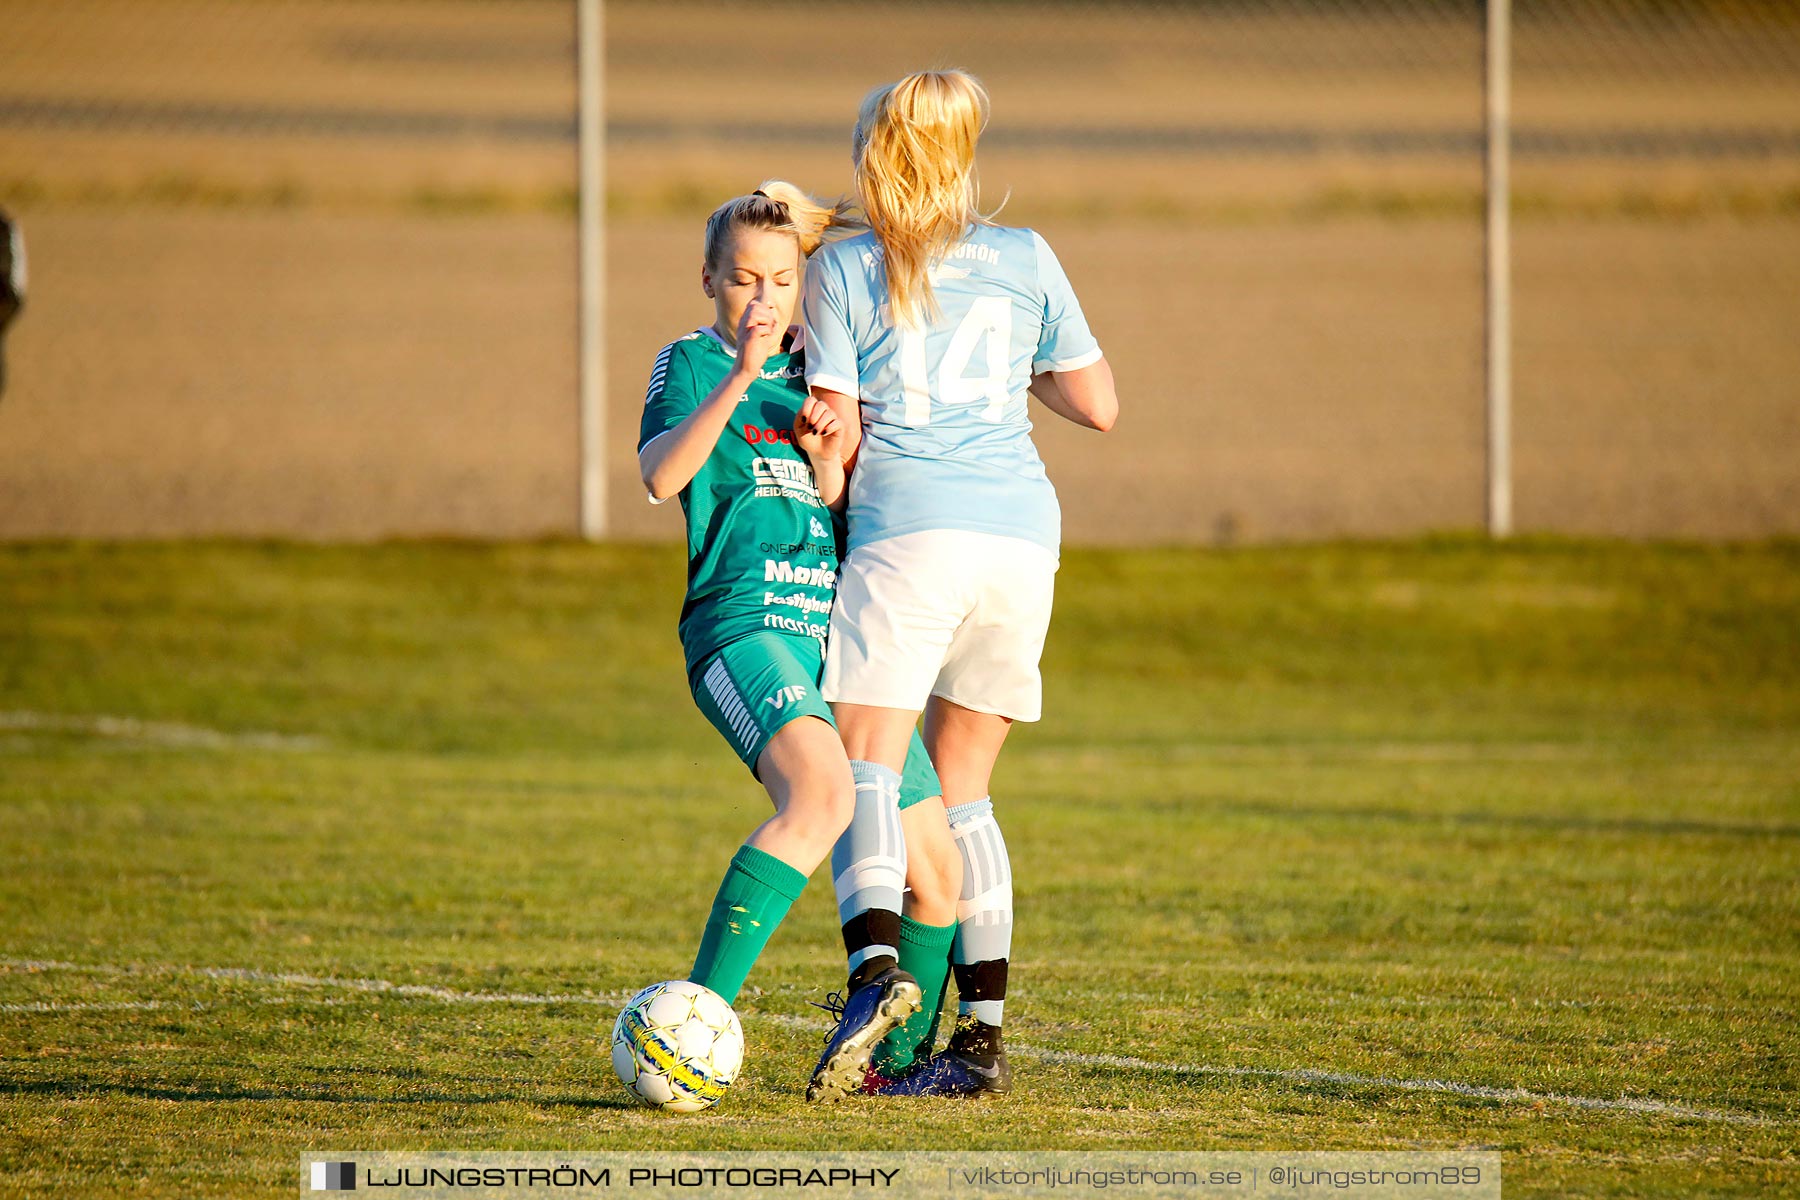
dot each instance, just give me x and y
(315, 376)
(356, 376)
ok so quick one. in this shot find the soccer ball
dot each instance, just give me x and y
(677, 1046)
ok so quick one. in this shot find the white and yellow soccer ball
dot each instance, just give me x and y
(677, 1046)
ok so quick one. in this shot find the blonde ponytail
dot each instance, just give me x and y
(914, 147)
(810, 218)
(779, 206)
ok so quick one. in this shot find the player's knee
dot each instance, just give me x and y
(934, 874)
(836, 806)
(822, 800)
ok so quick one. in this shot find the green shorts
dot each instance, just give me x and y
(752, 687)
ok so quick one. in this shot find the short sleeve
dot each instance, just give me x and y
(1066, 343)
(825, 313)
(670, 397)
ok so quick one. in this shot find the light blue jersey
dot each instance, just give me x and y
(945, 412)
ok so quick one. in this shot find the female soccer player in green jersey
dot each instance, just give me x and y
(758, 465)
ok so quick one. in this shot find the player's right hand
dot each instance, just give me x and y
(818, 430)
(758, 336)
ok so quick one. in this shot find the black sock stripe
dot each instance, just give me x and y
(981, 981)
(875, 927)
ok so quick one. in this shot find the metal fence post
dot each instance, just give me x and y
(591, 306)
(1498, 275)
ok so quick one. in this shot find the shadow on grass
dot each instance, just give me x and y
(1530, 821)
(87, 1089)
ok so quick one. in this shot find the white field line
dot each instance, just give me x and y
(157, 733)
(1474, 1091)
(1303, 1075)
(51, 1006)
(114, 1006)
(1310, 1076)
(288, 979)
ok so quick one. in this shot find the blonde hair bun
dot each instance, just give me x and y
(780, 206)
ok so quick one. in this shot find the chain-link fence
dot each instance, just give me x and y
(296, 268)
(1657, 267)
(308, 267)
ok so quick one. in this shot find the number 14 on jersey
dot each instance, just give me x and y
(988, 329)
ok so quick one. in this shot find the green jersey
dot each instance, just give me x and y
(762, 547)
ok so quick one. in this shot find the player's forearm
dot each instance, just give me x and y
(829, 475)
(1085, 395)
(669, 463)
(848, 410)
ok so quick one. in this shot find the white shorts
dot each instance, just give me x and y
(942, 613)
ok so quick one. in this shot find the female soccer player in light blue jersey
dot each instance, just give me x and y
(924, 335)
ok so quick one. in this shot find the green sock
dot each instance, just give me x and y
(756, 893)
(925, 954)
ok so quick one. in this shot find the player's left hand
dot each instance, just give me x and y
(818, 430)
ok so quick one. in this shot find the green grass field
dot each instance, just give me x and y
(1381, 846)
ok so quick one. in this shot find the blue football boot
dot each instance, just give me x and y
(948, 1074)
(863, 1020)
